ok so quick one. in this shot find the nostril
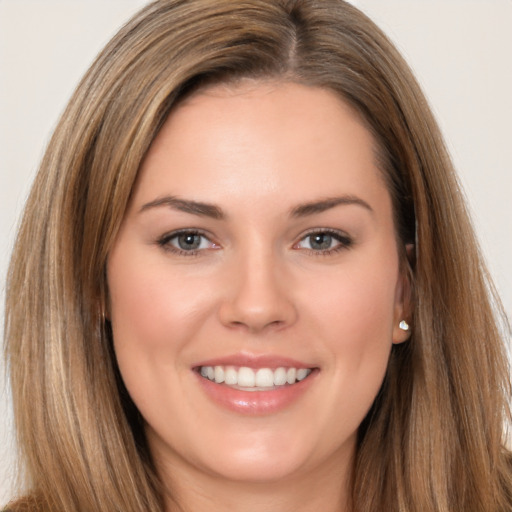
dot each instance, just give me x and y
(252, 326)
(257, 299)
(255, 320)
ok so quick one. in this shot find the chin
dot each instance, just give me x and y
(239, 454)
(258, 468)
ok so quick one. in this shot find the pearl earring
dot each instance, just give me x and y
(404, 325)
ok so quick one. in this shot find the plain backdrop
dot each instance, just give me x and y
(459, 49)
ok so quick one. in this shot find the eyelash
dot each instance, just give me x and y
(345, 242)
(165, 242)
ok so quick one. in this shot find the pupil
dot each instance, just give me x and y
(321, 241)
(189, 241)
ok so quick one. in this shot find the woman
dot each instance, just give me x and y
(252, 281)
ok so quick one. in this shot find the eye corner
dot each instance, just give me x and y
(186, 242)
(328, 241)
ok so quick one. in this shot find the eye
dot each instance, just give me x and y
(324, 241)
(189, 241)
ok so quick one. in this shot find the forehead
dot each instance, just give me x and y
(261, 139)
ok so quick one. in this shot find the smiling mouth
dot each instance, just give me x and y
(248, 379)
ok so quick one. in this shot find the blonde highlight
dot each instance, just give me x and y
(433, 440)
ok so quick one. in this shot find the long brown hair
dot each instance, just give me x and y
(433, 440)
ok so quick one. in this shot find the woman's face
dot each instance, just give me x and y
(255, 286)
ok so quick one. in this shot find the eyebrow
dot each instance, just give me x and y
(314, 207)
(187, 206)
(214, 212)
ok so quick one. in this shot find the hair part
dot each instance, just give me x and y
(433, 439)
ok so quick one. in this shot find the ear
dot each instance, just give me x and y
(403, 313)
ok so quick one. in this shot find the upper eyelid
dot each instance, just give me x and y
(178, 232)
(166, 237)
(164, 242)
(345, 240)
(330, 231)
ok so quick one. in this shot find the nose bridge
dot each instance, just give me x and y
(257, 298)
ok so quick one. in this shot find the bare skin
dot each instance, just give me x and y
(260, 230)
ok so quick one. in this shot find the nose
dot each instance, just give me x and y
(258, 296)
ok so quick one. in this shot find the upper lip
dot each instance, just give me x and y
(255, 361)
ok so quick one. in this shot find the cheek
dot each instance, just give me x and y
(355, 318)
(154, 314)
(151, 305)
(359, 300)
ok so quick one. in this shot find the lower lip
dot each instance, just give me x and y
(256, 402)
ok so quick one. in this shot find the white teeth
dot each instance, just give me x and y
(219, 374)
(264, 378)
(248, 378)
(230, 376)
(280, 377)
(302, 373)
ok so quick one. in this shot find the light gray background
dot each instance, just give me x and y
(460, 50)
